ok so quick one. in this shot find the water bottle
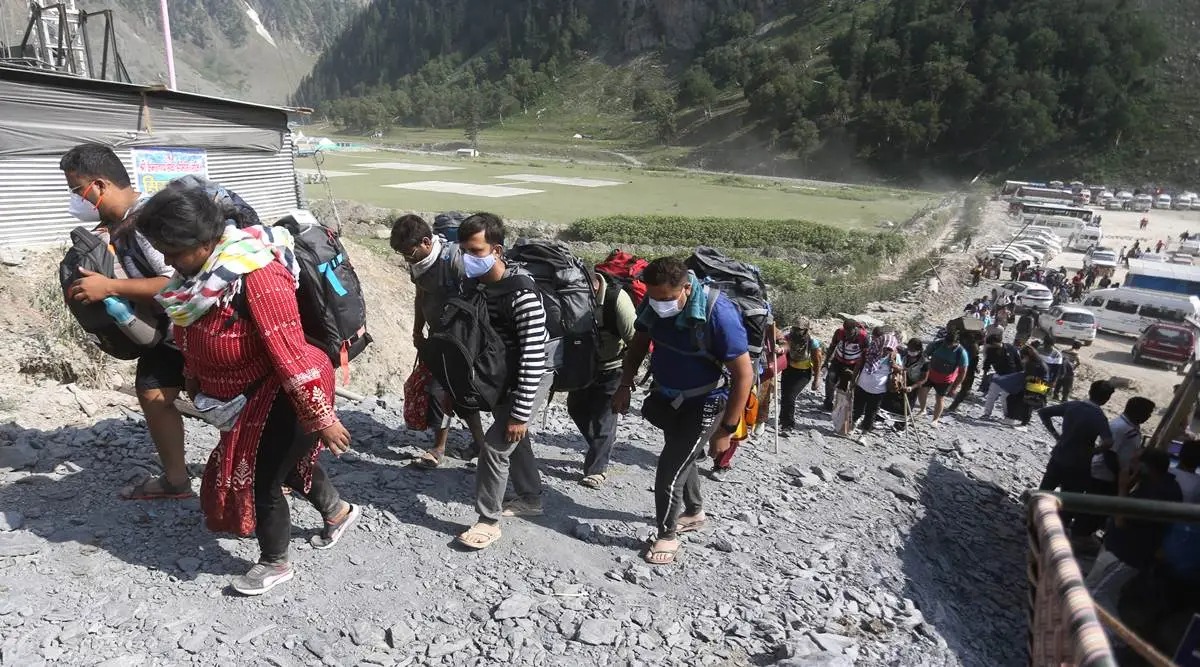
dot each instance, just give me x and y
(138, 330)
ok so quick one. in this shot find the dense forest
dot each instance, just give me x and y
(954, 85)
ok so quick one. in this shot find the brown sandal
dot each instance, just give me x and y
(141, 490)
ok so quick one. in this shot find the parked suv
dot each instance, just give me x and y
(1167, 344)
(1069, 323)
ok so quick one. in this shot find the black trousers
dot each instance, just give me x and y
(591, 410)
(866, 405)
(282, 446)
(686, 430)
(1086, 524)
(794, 382)
(1070, 479)
(831, 373)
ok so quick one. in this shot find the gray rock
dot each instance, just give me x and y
(188, 564)
(10, 256)
(441, 650)
(584, 531)
(638, 574)
(515, 606)
(850, 474)
(11, 521)
(598, 631)
(123, 661)
(748, 517)
(317, 647)
(363, 633)
(195, 642)
(904, 469)
(400, 635)
(831, 642)
(18, 456)
(740, 629)
(901, 492)
(822, 659)
(19, 544)
(822, 474)
(707, 631)
(255, 633)
(721, 544)
(71, 631)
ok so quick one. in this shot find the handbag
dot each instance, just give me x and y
(416, 398)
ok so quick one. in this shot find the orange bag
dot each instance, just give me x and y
(749, 418)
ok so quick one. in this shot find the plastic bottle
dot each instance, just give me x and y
(138, 330)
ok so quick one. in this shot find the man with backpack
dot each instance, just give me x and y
(436, 268)
(702, 380)
(845, 352)
(102, 194)
(948, 363)
(591, 407)
(517, 318)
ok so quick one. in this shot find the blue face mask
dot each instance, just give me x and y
(475, 267)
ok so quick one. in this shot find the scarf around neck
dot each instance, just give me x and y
(880, 350)
(238, 253)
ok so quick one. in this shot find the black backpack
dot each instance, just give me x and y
(466, 355)
(90, 251)
(742, 284)
(332, 309)
(240, 213)
(565, 285)
(446, 224)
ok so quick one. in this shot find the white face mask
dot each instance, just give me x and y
(82, 209)
(475, 267)
(434, 254)
(665, 308)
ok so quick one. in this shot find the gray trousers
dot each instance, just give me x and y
(498, 458)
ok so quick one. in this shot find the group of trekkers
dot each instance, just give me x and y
(225, 289)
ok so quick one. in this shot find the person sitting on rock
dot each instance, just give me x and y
(233, 304)
(436, 268)
(101, 192)
(702, 380)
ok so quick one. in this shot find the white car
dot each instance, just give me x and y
(1105, 258)
(1028, 295)
(1069, 323)
(1153, 257)
(1162, 201)
(1189, 247)
(1196, 204)
(1053, 247)
(1008, 256)
(1034, 247)
(1123, 195)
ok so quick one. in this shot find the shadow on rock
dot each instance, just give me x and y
(72, 497)
(965, 565)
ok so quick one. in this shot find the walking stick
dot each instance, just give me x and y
(777, 401)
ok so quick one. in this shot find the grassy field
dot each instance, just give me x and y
(641, 192)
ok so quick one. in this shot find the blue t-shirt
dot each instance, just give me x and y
(723, 334)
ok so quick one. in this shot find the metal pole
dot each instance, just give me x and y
(1179, 411)
(1131, 508)
(166, 23)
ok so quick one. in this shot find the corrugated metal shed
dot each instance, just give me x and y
(248, 146)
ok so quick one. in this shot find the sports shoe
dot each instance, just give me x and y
(332, 532)
(262, 578)
(522, 507)
(719, 474)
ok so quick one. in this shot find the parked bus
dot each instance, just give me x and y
(1128, 310)
(1036, 209)
(1163, 277)
(1010, 187)
(1044, 195)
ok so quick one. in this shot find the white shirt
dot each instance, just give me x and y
(1127, 438)
(875, 382)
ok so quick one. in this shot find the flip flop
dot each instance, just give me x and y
(140, 491)
(651, 553)
(691, 525)
(428, 460)
(593, 481)
(479, 536)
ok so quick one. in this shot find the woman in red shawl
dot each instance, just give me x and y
(233, 304)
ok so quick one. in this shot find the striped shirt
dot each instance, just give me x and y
(848, 348)
(520, 320)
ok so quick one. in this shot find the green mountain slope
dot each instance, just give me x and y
(906, 89)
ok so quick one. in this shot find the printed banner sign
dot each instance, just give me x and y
(153, 168)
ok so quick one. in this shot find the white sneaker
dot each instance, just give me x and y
(262, 578)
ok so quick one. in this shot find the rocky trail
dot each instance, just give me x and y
(906, 549)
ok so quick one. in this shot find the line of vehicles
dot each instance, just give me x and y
(1111, 199)
(1158, 306)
